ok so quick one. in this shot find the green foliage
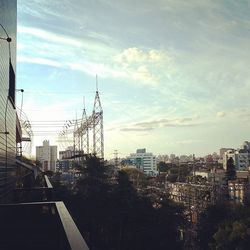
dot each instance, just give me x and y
(232, 235)
(178, 173)
(225, 227)
(209, 223)
(136, 176)
(112, 216)
(163, 166)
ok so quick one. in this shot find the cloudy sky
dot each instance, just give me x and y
(173, 74)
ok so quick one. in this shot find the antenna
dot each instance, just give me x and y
(96, 82)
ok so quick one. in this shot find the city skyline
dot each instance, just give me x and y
(173, 75)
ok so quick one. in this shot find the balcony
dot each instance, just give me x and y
(40, 226)
(34, 222)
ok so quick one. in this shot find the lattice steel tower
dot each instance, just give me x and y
(85, 126)
(97, 119)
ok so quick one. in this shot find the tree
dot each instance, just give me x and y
(136, 176)
(232, 235)
(111, 215)
(162, 166)
(137, 224)
(209, 223)
(224, 226)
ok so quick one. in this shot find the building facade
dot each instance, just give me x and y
(214, 176)
(10, 133)
(223, 151)
(47, 156)
(144, 161)
(240, 157)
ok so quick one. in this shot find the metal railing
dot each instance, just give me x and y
(35, 193)
(39, 225)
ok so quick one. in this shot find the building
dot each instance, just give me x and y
(214, 176)
(10, 130)
(246, 146)
(67, 154)
(195, 197)
(223, 151)
(25, 223)
(186, 158)
(240, 157)
(47, 156)
(162, 158)
(144, 161)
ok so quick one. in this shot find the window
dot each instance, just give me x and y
(12, 84)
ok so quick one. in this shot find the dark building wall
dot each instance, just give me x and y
(8, 12)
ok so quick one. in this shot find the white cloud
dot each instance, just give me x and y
(42, 47)
(42, 61)
(142, 74)
(49, 36)
(100, 69)
(221, 114)
(146, 66)
(135, 55)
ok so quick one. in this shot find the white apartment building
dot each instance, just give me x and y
(144, 161)
(240, 157)
(47, 155)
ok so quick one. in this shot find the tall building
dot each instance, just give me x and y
(246, 146)
(240, 157)
(47, 156)
(144, 161)
(39, 225)
(10, 131)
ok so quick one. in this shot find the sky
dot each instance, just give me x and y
(173, 75)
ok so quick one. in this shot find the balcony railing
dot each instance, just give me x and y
(39, 225)
(36, 193)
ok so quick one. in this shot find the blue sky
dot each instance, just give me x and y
(173, 75)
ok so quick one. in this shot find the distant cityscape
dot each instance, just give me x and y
(145, 161)
(70, 193)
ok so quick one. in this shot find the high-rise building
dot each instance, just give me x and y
(47, 156)
(246, 146)
(10, 132)
(144, 161)
(240, 157)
